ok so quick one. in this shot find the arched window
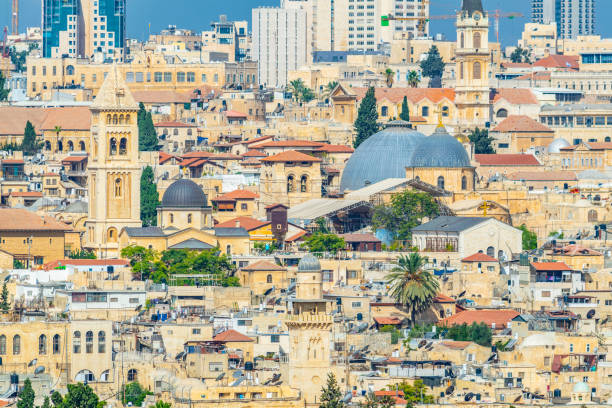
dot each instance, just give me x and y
(115, 119)
(592, 216)
(112, 235)
(60, 146)
(47, 145)
(3, 345)
(113, 146)
(189, 132)
(477, 74)
(425, 111)
(109, 119)
(42, 344)
(269, 279)
(16, 345)
(462, 42)
(84, 376)
(464, 183)
(441, 182)
(189, 218)
(175, 132)
(121, 119)
(491, 251)
(69, 70)
(477, 40)
(76, 342)
(101, 342)
(56, 344)
(502, 113)
(304, 184)
(82, 146)
(384, 111)
(171, 218)
(132, 375)
(500, 255)
(70, 146)
(123, 146)
(117, 187)
(461, 70)
(228, 249)
(105, 376)
(89, 342)
(290, 184)
(128, 119)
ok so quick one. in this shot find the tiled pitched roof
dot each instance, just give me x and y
(235, 114)
(289, 143)
(456, 345)
(263, 266)
(521, 123)
(414, 95)
(232, 336)
(442, 298)
(13, 119)
(536, 76)
(576, 250)
(291, 156)
(487, 316)
(559, 61)
(247, 223)
(335, 149)
(161, 96)
(387, 320)
(237, 195)
(550, 266)
(25, 194)
(74, 159)
(506, 160)
(515, 96)
(68, 118)
(359, 238)
(13, 161)
(479, 257)
(254, 153)
(15, 219)
(164, 157)
(543, 176)
(591, 146)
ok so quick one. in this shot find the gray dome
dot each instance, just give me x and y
(556, 145)
(309, 263)
(440, 150)
(184, 193)
(383, 155)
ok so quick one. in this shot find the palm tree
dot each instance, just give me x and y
(413, 286)
(296, 87)
(57, 130)
(389, 74)
(413, 79)
(329, 88)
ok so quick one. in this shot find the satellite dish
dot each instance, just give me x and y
(517, 399)
(33, 362)
(220, 377)
(461, 294)
(590, 314)
(347, 397)
(179, 355)
(7, 278)
(237, 374)
(39, 370)
(469, 396)
(422, 343)
(450, 390)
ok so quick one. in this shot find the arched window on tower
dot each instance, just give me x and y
(269, 279)
(121, 117)
(461, 68)
(82, 146)
(113, 146)
(304, 184)
(42, 344)
(115, 119)
(109, 119)
(127, 119)
(441, 182)
(123, 146)
(70, 146)
(477, 40)
(477, 71)
(118, 187)
(56, 344)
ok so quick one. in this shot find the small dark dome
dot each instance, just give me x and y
(309, 263)
(184, 193)
(440, 150)
(383, 155)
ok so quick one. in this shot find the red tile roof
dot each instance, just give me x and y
(164, 157)
(479, 257)
(247, 223)
(359, 238)
(12, 161)
(25, 194)
(263, 266)
(591, 146)
(487, 316)
(543, 176)
(232, 336)
(296, 236)
(291, 156)
(536, 76)
(442, 298)
(565, 62)
(335, 149)
(550, 266)
(256, 140)
(572, 250)
(414, 95)
(521, 123)
(74, 159)
(289, 143)
(235, 114)
(506, 160)
(387, 320)
(237, 195)
(457, 345)
(17, 219)
(254, 153)
(515, 96)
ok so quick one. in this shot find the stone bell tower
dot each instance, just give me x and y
(114, 169)
(309, 327)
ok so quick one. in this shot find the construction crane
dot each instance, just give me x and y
(15, 18)
(497, 14)
(6, 55)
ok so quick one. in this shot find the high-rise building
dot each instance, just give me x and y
(279, 43)
(573, 17)
(84, 28)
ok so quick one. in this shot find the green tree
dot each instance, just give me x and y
(46, 403)
(18, 59)
(530, 239)
(5, 303)
(210, 262)
(372, 401)
(413, 79)
(329, 88)
(411, 285)
(319, 242)
(147, 135)
(17, 264)
(300, 92)
(433, 65)
(406, 211)
(57, 399)
(483, 143)
(134, 393)
(162, 404)
(405, 113)
(389, 77)
(395, 333)
(331, 396)
(479, 333)
(31, 144)
(79, 396)
(4, 93)
(149, 198)
(82, 254)
(142, 260)
(521, 55)
(26, 396)
(414, 393)
(367, 117)
(307, 95)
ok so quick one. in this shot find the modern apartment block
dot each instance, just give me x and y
(84, 28)
(573, 17)
(230, 37)
(279, 43)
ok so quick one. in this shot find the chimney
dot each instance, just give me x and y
(237, 223)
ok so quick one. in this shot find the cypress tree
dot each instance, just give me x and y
(149, 198)
(366, 124)
(26, 397)
(405, 114)
(5, 304)
(30, 144)
(147, 136)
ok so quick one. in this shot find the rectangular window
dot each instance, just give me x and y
(96, 297)
(215, 367)
(139, 77)
(158, 77)
(356, 305)
(180, 77)
(203, 77)
(167, 76)
(134, 300)
(196, 331)
(129, 76)
(191, 77)
(275, 338)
